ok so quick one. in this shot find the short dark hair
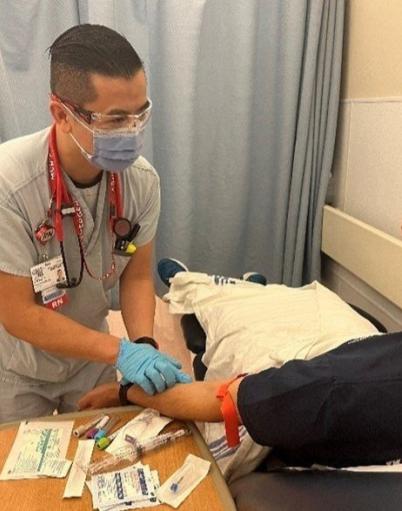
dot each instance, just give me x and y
(85, 49)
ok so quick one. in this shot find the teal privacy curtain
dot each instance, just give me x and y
(245, 108)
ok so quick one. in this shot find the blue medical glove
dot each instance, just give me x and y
(147, 367)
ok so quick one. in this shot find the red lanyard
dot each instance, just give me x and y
(62, 204)
(63, 200)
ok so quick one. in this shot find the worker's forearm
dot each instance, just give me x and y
(50, 331)
(189, 401)
(137, 299)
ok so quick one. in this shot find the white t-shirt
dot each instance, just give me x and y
(24, 201)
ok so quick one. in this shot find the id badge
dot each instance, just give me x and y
(47, 274)
(53, 297)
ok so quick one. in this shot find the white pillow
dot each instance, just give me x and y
(249, 330)
(251, 327)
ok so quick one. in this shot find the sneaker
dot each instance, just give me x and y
(257, 278)
(167, 269)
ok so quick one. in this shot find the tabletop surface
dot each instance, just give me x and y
(40, 494)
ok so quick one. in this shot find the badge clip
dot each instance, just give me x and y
(44, 232)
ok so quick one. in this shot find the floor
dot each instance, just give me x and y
(167, 333)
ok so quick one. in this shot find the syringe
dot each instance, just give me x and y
(132, 452)
(156, 441)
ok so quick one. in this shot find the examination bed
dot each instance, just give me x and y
(269, 486)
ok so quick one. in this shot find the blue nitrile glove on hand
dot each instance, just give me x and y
(147, 367)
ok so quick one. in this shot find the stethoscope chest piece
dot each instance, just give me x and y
(122, 227)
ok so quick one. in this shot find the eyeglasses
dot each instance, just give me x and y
(108, 122)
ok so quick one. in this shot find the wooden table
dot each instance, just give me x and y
(46, 494)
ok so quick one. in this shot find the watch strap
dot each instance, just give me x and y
(147, 340)
(123, 389)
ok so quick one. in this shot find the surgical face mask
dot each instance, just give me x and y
(113, 151)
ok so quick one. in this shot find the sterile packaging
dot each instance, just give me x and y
(76, 479)
(180, 484)
(129, 488)
(145, 425)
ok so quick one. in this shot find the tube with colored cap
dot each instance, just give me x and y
(105, 441)
(81, 430)
(92, 432)
(102, 432)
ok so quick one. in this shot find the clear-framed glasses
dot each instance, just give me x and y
(111, 122)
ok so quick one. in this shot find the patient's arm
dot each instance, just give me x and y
(189, 401)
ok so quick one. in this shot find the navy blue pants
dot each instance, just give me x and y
(341, 408)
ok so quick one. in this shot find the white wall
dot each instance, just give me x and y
(367, 171)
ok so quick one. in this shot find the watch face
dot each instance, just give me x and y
(121, 227)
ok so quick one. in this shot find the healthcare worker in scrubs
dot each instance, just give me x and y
(79, 208)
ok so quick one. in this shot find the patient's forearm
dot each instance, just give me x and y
(190, 401)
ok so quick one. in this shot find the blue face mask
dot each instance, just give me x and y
(113, 151)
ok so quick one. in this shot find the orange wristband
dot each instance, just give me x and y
(229, 414)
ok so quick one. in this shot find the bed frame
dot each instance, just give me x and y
(372, 255)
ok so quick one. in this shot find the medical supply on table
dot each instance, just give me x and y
(39, 450)
(146, 424)
(175, 486)
(132, 485)
(156, 441)
(105, 441)
(102, 432)
(92, 432)
(84, 428)
(133, 452)
(76, 479)
(180, 484)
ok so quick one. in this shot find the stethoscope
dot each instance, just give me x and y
(62, 205)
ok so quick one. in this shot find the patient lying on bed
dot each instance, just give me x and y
(310, 393)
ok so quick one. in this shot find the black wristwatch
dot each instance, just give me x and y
(147, 340)
(123, 389)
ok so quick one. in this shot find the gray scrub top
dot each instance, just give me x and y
(24, 201)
